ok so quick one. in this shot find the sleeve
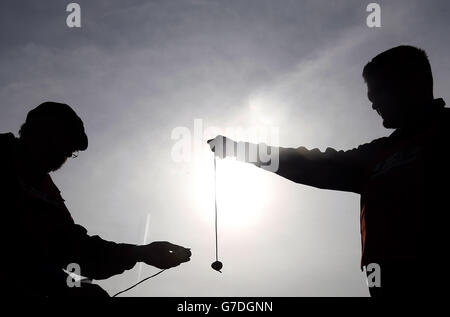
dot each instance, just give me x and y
(331, 169)
(98, 259)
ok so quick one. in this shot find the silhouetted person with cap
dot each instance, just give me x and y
(39, 237)
(403, 179)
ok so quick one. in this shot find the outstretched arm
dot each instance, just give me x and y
(101, 259)
(331, 169)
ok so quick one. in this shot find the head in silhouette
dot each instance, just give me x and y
(51, 133)
(400, 85)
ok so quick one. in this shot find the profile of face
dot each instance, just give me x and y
(47, 149)
(390, 100)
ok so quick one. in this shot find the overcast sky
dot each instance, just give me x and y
(136, 70)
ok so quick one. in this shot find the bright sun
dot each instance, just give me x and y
(241, 192)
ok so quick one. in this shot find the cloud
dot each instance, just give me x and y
(136, 70)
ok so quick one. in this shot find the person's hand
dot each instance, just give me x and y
(163, 254)
(220, 144)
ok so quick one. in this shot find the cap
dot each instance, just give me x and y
(72, 123)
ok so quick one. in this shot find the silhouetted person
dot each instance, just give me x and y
(39, 238)
(403, 179)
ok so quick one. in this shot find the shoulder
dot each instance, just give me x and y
(446, 115)
(50, 188)
(442, 130)
(7, 139)
(7, 142)
(441, 126)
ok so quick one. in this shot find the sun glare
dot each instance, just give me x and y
(242, 193)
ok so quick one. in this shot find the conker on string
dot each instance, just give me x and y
(217, 266)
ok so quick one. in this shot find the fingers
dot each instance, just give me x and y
(182, 254)
(176, 249)
(178, 259)
(170, 255)
(213, 143)
(222, 146)
(173, 259)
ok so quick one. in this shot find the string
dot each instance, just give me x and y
(217, 249)
(134, 285)
(215, 206)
